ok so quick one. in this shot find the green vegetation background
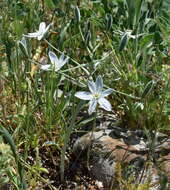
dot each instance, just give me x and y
(127, 42)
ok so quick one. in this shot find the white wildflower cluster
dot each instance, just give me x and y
(57, 63)
(96, 94)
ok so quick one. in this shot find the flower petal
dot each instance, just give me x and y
(61, 62)
(92, 87)
(53, 57)
(23, 44)
(47, 28)
(65, 60)
(32, 35)
(84, 95)
(99, 84)
(40, 36)
(92, 106)
(42, 27)
(45, 67)
(106, 92)
(62, 57)
(105, 104)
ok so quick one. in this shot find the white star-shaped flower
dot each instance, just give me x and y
(57, 63)
(40, 33)
(96, 95)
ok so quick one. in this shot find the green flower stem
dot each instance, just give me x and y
(92, 132)
(66, 139)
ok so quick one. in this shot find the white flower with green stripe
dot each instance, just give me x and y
(96, 95)
(40, 33)
(57, 63)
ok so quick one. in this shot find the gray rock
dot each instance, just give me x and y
(109, 147)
